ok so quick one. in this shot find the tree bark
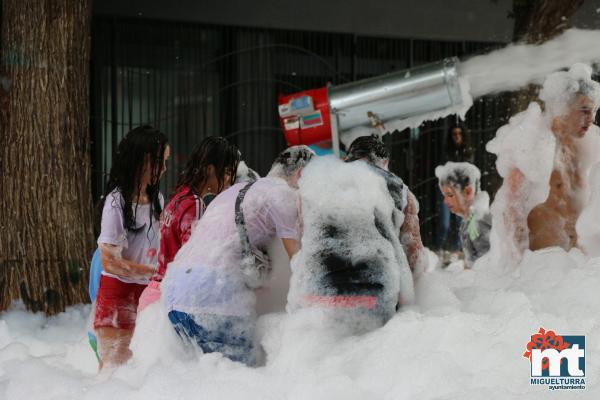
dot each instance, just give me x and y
(46, 234)
(537, 21)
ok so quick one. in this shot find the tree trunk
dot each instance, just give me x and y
(46, 234)
(537, 21)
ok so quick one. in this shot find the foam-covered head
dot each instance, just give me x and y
(245, 173)
(459, 183)
(290, 161)
(459, 175)
(345, 209)
(370, 148)
(573, 96)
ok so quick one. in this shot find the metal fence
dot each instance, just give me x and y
(192, 80)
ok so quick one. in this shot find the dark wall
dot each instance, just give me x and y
(474, 20)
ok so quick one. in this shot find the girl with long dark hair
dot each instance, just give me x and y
(129, 238)
(211, 169)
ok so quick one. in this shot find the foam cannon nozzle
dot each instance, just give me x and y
(321, 115)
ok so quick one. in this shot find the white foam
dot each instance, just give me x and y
(245, 173)
(517, 65)
(464, 339)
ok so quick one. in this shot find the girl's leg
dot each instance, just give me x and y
(113, 346)
(114, 320)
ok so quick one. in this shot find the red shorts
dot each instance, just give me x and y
(116, 303)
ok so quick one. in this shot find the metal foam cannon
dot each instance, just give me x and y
(321, 115)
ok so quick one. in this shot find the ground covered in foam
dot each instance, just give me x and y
(464, 339)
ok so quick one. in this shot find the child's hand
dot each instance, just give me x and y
(113, 263)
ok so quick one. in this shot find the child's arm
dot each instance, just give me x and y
(514, 220)
(410, 237)
(113, 263)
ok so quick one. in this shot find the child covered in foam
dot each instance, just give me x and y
(459, 184)
(351, 263)
(209, 290)
(545, 159)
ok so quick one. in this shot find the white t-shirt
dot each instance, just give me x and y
(140, 245)
(205, 277)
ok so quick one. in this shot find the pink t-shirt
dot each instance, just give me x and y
(205, 276)
(139, 245)
(182, 211)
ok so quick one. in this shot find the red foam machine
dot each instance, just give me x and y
(305, 117)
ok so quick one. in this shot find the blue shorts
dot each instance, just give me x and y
(230, 335)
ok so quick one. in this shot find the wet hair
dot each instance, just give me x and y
(215, 151)
(587, 88)
(138, 146)
(370, 148)
(290, 160)
(459, 175)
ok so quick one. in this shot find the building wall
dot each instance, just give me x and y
(471, 20)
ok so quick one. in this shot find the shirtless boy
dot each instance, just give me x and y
(552, 223)
(571, 102)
